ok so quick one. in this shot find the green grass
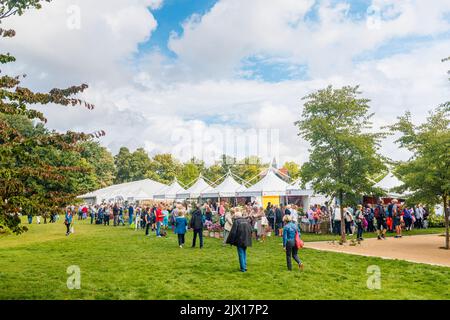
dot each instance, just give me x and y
(119, 263)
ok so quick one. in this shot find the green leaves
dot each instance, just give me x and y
(11, 7)
(336, 123)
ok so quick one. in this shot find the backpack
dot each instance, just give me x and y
(365, 224)
(379, 212)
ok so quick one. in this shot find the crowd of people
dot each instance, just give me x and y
(241, 224)
(383, 218)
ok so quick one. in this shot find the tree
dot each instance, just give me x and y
(343, 152)
(139, 164)
(189, 172)
(131, 166)
(164, 168)
(427, 173)
(122, 161)
(39, 169)
(249, 168)
(215, 173)
(293, 169)
(102, 161)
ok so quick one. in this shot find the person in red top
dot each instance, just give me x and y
(159, 220)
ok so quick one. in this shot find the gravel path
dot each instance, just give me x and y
(419, 249)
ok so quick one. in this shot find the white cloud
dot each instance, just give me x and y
(153, 102)
(109, 32)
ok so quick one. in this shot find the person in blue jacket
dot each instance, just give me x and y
(68, 221)
(289, 231)
(180, 227)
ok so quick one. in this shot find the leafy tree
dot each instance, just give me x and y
(139, 164)
(122, 161)
(164, 168)
(427, 173)
(215, 172)
(39, 170)
(102, 161)
(343, 151)
(189, 172)
(249, 168)
(293, 169)
(131, 166)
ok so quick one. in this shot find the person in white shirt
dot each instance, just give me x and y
(294, 213)
(337, 220)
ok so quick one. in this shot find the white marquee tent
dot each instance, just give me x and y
(308, 195)
(270, 185)
(131, 191)
(227, 189)
(195, 190)
(388, 183)
(296, 189)
(170, 192)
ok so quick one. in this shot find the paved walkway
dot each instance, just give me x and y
(420, 249)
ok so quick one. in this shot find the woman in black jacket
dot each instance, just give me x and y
(241, 237)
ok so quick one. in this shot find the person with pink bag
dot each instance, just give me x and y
(292, 243)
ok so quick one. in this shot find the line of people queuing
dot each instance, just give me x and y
(383, 218)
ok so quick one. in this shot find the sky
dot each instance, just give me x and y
(206, 77)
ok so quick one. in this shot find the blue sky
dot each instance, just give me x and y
(171, 15)
(170, 18)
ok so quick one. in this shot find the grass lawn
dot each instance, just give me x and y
(119, 263)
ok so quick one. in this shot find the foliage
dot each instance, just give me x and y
(293, 169)
(132, 166)
(163, 168)
(40, 171)
(426, 175)
(102, 161)
(189, 173)
(249, 168)
(343, 153)
(215, 173)
(11, 7)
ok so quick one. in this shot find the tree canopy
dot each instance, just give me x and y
(40, 170)
(426, 175)
(344, 150)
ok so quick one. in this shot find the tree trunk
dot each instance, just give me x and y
(446, 214)
(341, 199)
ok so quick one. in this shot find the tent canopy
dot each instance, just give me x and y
(296, 189)
(388, 182)
(227, 188)
(137, 190)
(270, 185)
(195, 190)
(170, 192)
